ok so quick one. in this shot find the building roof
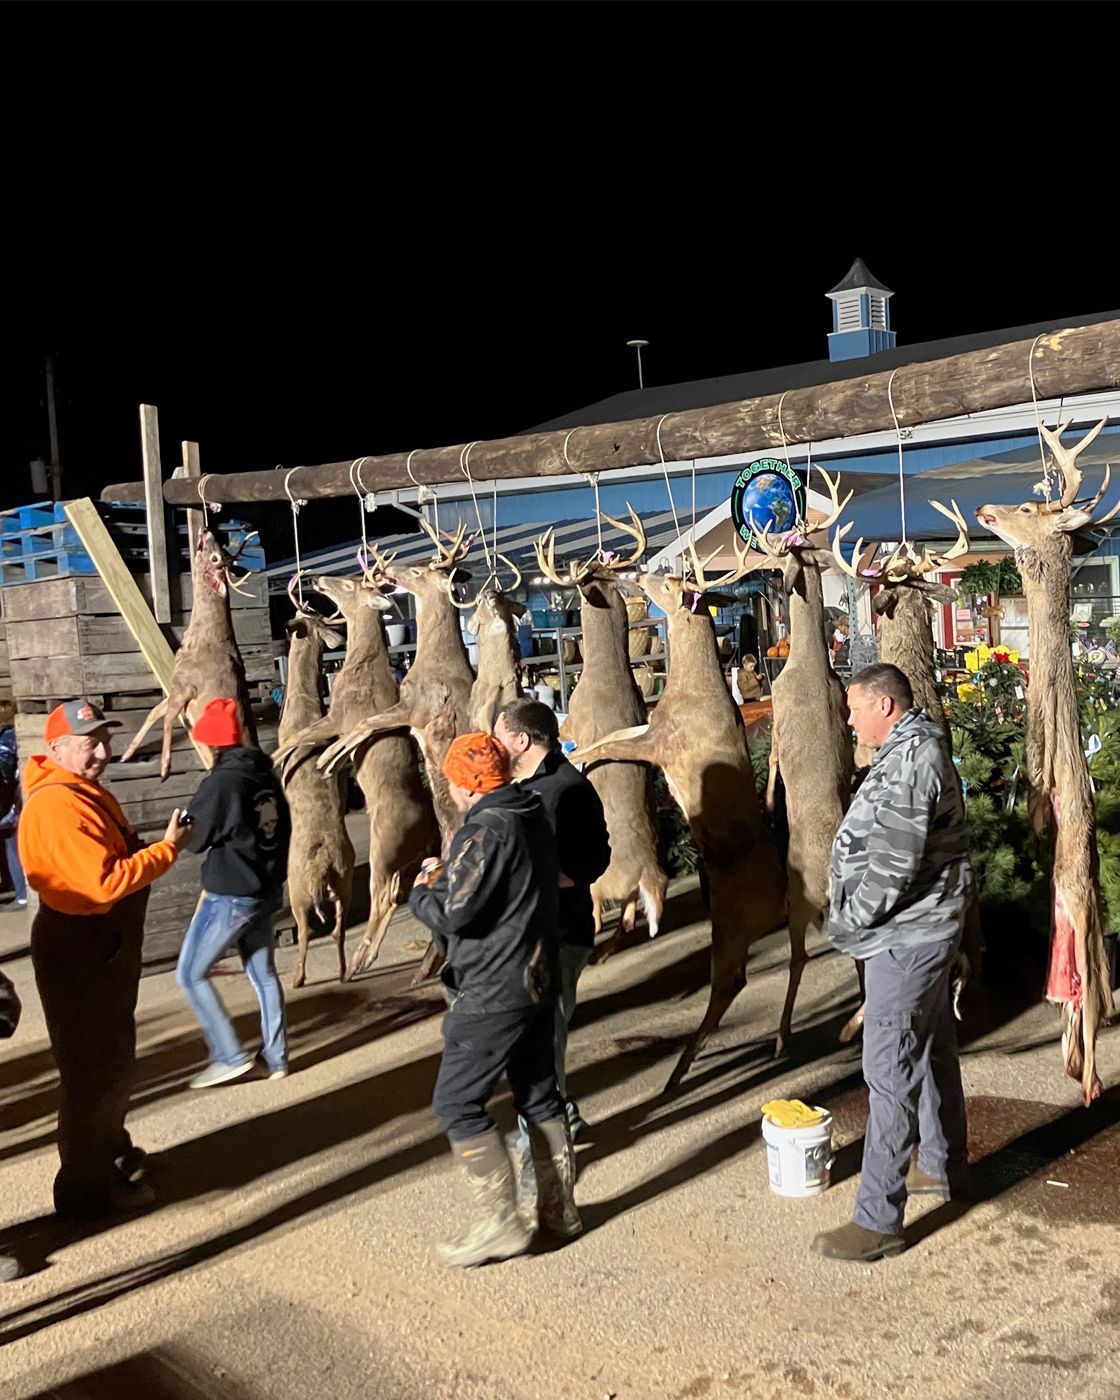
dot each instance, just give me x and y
(729, 388)
(858, 277)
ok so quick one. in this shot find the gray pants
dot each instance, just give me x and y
(573, 960)
(913, 1075)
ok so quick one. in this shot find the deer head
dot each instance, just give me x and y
(494, 609)
(587, 575)
(805, 544)
(350, 594)
(436, 577)
(213, 563)
(904, 567)
(1031, 524)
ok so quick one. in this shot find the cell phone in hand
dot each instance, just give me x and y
(185, 819)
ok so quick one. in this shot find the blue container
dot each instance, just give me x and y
(525, 638)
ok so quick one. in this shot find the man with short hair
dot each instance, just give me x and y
(92, 874)
(492, 914)
(529, 730)
(239, 817)
(901, 886)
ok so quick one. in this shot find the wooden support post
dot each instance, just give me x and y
(124, 591)
(192, 469)
(157, 516)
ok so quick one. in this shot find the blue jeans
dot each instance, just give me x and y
(573, 959)
(245, 922)
(15, 870)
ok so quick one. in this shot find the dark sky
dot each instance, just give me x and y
(307, 232)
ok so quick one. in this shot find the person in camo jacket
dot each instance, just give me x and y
(901, 887)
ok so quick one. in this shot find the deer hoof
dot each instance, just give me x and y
(299, 977)
(852, 1029)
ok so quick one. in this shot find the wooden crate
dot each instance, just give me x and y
(65, 637)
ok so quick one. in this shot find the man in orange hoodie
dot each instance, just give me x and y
(91, 874)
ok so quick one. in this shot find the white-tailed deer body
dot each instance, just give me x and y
(435, 696)
(321, 855)
(208, 664)
(1061, 792)
(607, 699)
(811, 743)
(402, 829)
(696, 735)
(494, 623)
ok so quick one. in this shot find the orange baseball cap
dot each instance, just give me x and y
(79, 716)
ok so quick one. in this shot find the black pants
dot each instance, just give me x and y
(478, 1050)
(87, 970)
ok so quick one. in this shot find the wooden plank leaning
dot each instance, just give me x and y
(123, 589)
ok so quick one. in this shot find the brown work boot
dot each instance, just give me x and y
(918, 1183)
(555, 1165)
(492, 1230)
(857, 1243)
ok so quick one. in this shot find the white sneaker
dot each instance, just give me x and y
(21, 903)
(278, 1073)
(218, 1073)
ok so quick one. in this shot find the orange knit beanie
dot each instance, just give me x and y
(476, 762)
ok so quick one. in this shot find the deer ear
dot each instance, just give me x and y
(332, 640)
(1072, 518)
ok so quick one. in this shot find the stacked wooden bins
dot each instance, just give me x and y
(65, 637)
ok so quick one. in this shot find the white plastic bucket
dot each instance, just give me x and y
(799, 1160)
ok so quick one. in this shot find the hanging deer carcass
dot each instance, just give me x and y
(208, 664)
(811, 744)
(696, 735)
(904, 604)
(321, 854)
(1061, 798)
(605, 700)
(494, 623)
(402, 828)
(435, 695)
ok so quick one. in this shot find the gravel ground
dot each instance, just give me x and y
(290, 1254)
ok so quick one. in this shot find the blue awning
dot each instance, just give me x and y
(1006, 477)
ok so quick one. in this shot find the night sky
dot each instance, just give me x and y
(316, 231)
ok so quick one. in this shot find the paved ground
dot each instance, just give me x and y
(290, 1256)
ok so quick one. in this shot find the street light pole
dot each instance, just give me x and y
(638, 345)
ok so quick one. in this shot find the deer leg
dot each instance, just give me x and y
(300, 746)
(384, 892)
(303, 935)
(801, 914)
(626, 921)
(772, 775)
(338, 933)
(727, 982)
(623, 745)
(157, 712)
(345, 750)
(853, 1027)
(430, 964)
(177, 702)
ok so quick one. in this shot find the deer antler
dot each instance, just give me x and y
(833, 484)
(707, 585)
(492, 579)
(1066, 458)
(546, 560)
(961, 545)
(636, 533)
(447, 556)
(861, 562)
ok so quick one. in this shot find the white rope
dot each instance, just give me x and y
(424, 492)
(785, 450)
(208, 507)
(1038, 419)
(364, 499)
(464, 467)
(592, 479)
(297, 506)
(898, 433)
(665, 474)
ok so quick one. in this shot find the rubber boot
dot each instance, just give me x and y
(493, 1230)
(555, 1163)
(524, 1174)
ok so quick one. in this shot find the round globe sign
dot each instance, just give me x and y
(767, 495)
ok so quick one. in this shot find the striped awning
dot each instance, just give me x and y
(575, 539)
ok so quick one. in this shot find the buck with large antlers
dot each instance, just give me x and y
(904, 603)
(435, 695)
(321, 859)
(208, 664)
(1060, 789)
(402, 828)
(605, 700)
(811, 744)
(696, 735)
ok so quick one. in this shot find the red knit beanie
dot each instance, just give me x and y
(477, 762)
(219, 724)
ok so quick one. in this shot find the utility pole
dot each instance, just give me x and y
(638, 345)
(55, 465)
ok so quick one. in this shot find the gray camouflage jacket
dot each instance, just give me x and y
(900, 869)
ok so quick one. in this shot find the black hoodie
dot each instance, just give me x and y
(241, 821)
(492, 912)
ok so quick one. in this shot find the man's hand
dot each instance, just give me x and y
(177, 833)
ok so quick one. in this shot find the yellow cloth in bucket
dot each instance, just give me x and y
(791, 1113)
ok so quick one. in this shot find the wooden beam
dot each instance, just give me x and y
(191, 472)
(130, 602)
(157, 513)
(1080, 360)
